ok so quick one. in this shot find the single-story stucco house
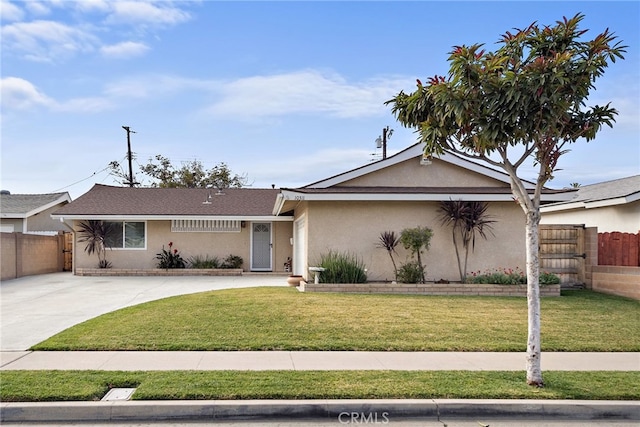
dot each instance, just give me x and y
(610, 206)
(31, 213)
(344, 213)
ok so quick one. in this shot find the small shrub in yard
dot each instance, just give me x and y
(199, 261)
(342, 268)
(411, 272)
(510, 277)
(232, 261)
(170, 258)
(549, 279)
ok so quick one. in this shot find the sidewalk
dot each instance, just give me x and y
(310, 360)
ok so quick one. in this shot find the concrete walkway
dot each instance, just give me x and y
(310, 360)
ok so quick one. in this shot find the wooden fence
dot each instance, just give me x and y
(562, 252)
(619, 249)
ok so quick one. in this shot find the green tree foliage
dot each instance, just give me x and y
(191, 174)
(415, 240)
(525, 101)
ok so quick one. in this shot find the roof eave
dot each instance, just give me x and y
(63, 198)
(293, 195)
(586, 204)
(409, 153)
(107, 217)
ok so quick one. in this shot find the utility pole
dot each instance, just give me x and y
(386, 133)
(131, 183)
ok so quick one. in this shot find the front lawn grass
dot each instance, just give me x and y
(285, 319)
(27, 386)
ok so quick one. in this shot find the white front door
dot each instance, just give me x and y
(261, 246)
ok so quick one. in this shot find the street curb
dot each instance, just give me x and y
(390, 409)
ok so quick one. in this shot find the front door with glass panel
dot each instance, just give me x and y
(261, 246)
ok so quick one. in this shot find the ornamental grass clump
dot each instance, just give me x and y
(204, 262)
(342, 267)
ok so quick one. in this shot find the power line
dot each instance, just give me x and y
(82, 180)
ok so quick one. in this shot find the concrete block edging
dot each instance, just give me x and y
(429, 289)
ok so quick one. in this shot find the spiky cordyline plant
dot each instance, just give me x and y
(96, 234)
(466, 218)
(388, 241)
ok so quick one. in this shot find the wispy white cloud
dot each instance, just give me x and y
(149, 13)
(92, 6)
(124, 50)
(10, 11)
(304, 92)
(623, 93)
(38, 8)
(248, 99)
(46, 41)
(157, 85)
(80, 32)
(19, 94)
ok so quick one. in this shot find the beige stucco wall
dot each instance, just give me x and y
(411, 173)
(355, 227)
(43, 221)
(13, 224)
(191, 244)
(622, 218)
(282, 233)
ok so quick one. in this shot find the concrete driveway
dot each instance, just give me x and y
(35, 308)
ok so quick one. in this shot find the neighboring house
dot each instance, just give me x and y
(197, 221)
(344, 213)
(347, 213)
(30, 213)
(609, 206)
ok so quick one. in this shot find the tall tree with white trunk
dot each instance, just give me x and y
(524, 102)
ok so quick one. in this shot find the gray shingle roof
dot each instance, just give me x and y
(622, 187)
(103, 200)
(14, 205)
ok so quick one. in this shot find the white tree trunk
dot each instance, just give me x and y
(533, 366)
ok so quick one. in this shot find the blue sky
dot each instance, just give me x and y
(285, 92)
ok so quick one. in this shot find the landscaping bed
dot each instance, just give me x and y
(451, 289)
(158, 272)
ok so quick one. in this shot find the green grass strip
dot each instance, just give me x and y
(198, 385)
(285, 319)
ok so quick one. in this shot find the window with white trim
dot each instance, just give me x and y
(127, 235)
